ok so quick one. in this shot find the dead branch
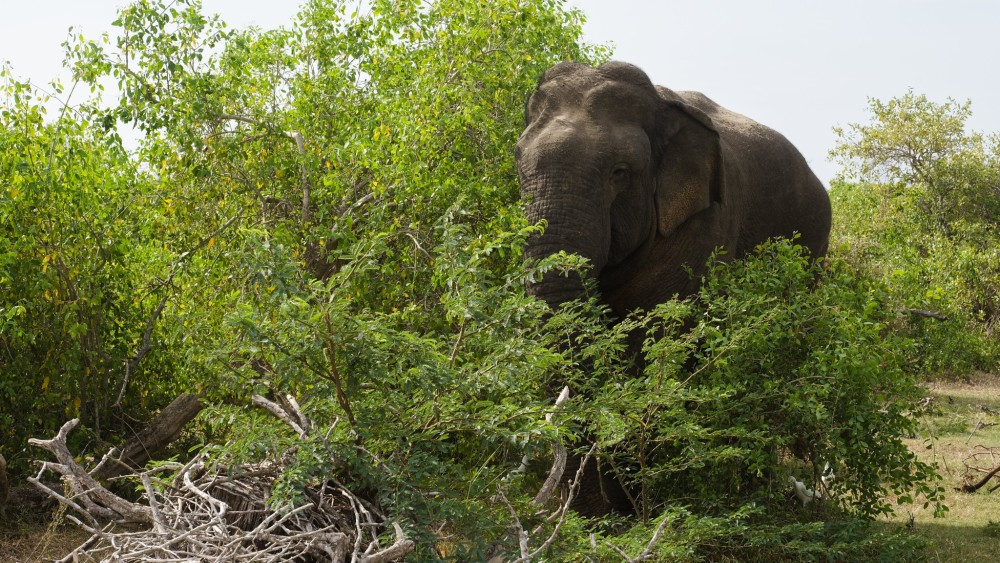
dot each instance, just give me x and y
(98, 501)
(218, 514)
(285, 412)
(647, 553)
(559, 459)
(543, 497)
(291, 406)
(970, 488)
(400, 548)
(559, 516)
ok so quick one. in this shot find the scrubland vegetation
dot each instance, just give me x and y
(330, 211)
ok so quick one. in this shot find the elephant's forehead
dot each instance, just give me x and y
(559, 93)
(597, 97)
(619, 101)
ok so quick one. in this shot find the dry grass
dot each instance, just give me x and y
(30, 538)
(963, 419)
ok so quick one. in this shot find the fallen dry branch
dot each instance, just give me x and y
(97, 502)
(982, 461)
(971, 488)
(192, 512)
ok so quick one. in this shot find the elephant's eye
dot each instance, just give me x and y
(619, 173)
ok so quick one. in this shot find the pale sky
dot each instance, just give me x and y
(799, 66)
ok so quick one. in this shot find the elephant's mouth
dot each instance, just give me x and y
(618, 273)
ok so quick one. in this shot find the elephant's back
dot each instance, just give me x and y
(733, 127)
(770, 181)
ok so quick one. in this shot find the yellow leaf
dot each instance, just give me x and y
(211, 243)
(45, 383)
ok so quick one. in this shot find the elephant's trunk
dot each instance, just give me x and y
(554, 287)
(571, 226)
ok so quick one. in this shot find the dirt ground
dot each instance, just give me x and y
(29, 533)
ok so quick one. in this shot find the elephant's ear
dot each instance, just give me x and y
(691, 174)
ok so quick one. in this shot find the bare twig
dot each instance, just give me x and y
(543, 497)
(647, 553)
(292, 406)
(522, 536)
(401, 547)
(560, 514)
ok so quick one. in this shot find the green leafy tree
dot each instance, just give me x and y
(330, 211)
(83, 275)
(924, 146)
(923, 220)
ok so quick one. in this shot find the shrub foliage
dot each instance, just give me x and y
(922, 220)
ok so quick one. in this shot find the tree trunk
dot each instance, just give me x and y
(153, 439)
(4, 487)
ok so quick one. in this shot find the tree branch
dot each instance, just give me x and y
(981, 483)
(559, 459)
(923, 313)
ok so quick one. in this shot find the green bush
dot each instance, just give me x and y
(879, 232)
(921, 219)
(776, 368)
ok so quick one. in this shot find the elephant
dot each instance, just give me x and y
(646, 183)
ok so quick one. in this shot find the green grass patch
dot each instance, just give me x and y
(960, 432)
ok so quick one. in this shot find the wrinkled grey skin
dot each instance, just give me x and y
(644, 181)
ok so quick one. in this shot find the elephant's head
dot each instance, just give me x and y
(610, 163)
